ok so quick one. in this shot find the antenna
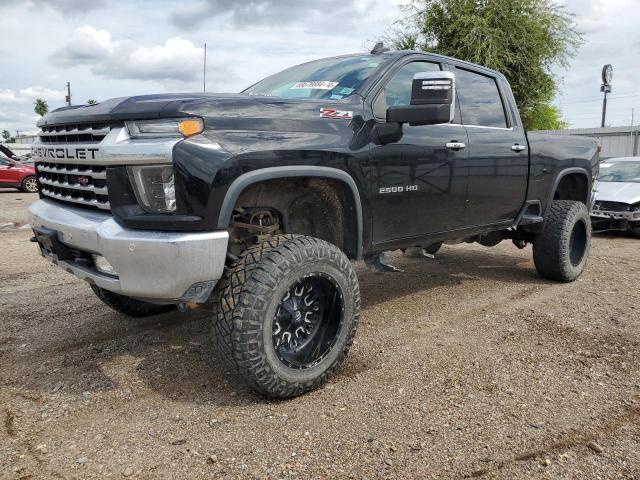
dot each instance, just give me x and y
(204, 80)
(379, 48)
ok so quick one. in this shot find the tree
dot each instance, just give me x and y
(91, 101)
(6, 135)
(523, 39)
(546, 117)
(41, 107)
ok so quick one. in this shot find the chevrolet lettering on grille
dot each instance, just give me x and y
(64, 153)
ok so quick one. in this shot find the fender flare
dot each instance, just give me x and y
(564, 173)
(270, 173)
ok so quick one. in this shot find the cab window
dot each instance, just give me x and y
(480, 100)
(397, 91)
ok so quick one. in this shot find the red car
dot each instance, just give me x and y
(15, 175)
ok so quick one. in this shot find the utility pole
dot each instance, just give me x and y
(68, 98)
(633, 111)
(204, 80)
(607, 75)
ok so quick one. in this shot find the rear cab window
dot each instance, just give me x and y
(480, 101)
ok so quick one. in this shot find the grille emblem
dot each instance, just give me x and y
(83, 180)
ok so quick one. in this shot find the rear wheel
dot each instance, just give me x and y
(561, 249)
(128, 305)
(285, 314)
(29, 184)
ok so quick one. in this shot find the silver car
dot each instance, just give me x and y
(617, 201)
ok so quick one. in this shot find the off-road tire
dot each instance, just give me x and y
(245, 302)
(561, 249)
(129, 306)
(29, 184)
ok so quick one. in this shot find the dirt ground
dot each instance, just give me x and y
(466, 366)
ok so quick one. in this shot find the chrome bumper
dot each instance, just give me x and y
(605, 214)
(165, 267)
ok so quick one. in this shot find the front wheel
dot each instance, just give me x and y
(561, 249)
(129, 306)
(29, 184)
(285, 314)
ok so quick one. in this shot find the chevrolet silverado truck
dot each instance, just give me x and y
(255, 204)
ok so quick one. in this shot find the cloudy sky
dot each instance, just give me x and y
(109, 48)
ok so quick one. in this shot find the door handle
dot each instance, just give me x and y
(518, 148)
(456, 145)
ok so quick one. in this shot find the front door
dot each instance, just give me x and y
(419, 183)
(498, 155)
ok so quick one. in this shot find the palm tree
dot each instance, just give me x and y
(41, 107)
(91, 101)
(6, 135)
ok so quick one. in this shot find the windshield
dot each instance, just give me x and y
(620, 172)
(330, 78)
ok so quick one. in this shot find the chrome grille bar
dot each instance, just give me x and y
(68, 198)
(74, 133)
(74, 186)
(72, 171)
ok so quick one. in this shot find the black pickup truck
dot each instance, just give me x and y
(254, 204)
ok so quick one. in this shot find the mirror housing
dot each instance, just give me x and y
(432, 100)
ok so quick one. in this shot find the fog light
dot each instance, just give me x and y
(102, 265)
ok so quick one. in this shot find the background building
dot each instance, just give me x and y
(615, 141)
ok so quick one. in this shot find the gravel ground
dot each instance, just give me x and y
(466, 366)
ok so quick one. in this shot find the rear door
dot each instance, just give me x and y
(419, 183)
(498, 156)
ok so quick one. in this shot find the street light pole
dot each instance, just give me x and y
(607, 75)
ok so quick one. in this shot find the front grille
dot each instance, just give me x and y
(612, 206)
(83, 185)
(74, 133)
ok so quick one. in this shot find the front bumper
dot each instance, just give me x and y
(157, 266)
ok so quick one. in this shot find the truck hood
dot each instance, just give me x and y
(624, 192)
(213, 107)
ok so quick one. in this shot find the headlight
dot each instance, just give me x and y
(154, 187)
(161, 128)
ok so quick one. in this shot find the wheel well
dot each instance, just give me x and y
(315, 206)
(573, 186)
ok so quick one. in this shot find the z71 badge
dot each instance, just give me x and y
(336, 114)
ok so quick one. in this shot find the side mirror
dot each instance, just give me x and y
(432, 100)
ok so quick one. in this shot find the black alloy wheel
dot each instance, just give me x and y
(307, 321)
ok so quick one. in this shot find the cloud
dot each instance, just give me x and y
(16, 106)
(267, 12)
(28, 95)
(176, 59)
(65, 7)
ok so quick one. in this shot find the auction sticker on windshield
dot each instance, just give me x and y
(315, 85)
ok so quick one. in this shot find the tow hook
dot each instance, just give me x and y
(186, 306)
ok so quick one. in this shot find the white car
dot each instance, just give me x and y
(617, 201)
